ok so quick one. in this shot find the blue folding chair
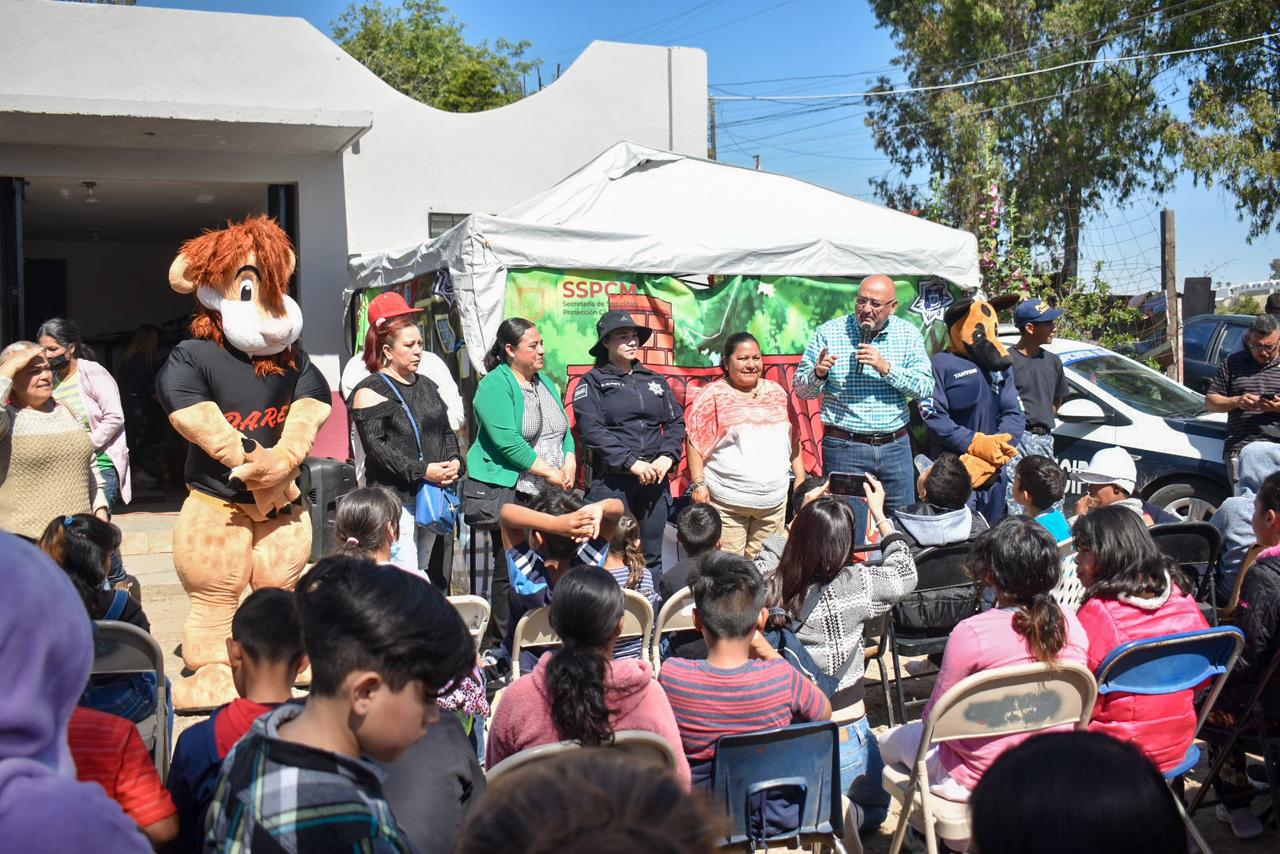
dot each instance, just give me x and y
(788, 776)
(1168, 664)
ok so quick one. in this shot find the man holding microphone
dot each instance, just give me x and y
(867, 366)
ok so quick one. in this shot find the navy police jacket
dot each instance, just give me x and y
(967, 400)
(624, 417)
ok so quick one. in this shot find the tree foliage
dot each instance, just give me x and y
(1073, 137)
(1233, 134)
(418, 48)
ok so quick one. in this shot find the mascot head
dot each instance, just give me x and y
(240, 275)
(972, 326)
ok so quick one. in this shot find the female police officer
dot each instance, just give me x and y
(633, 427)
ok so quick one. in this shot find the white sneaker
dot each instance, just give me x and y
(1244, 824)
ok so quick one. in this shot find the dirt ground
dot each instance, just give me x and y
(166, 607)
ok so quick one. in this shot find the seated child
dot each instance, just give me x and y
(744, 685)
(1038, 485)
(698, 531)
(108, 751)
(580, 692)
(1234, 517)
(382, 644)
(1258, 616)
(366, 523)
(265, 649)
(1019, 559)
(1073, 792)
(546, 539)
(1110, 478)
(591, 801)
(82, 545)
(46, 652)
(942, 516)
(625, 562)
(1133, 592)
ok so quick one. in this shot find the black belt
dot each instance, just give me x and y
(1039, 431)
(864, 438)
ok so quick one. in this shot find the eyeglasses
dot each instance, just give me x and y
(874, 303)
(1265, 349)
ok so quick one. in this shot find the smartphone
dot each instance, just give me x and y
(1271, 395)
(846, 483)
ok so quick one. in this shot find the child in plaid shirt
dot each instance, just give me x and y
(383, 643)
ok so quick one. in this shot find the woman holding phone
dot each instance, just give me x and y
(743, 448)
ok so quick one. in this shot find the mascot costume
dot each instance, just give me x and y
(250, 403)
(975, 410)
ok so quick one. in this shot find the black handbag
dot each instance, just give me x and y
(482, 503)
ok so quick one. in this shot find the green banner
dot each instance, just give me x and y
(691, 322)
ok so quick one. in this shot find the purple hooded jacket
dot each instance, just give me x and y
(46, 650)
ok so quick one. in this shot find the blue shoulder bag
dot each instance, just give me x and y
(435, 507)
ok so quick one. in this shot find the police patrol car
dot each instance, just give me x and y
(1114, 400)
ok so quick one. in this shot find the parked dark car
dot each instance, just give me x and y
(1207, 339)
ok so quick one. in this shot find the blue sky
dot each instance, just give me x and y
(765, 40)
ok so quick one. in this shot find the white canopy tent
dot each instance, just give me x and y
(643, 210)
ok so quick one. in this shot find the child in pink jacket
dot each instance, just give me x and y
(1131, 594)
(1019, 560)
(579, 692)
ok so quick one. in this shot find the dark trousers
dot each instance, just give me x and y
(650, 503)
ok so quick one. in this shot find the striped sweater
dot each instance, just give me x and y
(46, 467)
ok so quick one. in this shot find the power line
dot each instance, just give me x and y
(1105, 60)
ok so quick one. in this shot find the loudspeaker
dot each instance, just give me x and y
(323, 482)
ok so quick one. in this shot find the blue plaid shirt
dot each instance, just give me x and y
(866, 403)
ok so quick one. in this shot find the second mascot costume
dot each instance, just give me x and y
(250, 403)
(975, 410)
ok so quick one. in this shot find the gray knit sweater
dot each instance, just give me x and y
(832, 633)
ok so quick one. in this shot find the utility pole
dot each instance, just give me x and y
(757, 157)
(711, 129)
(1169, 278)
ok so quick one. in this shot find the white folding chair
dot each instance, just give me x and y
(645, 746)
(676, 616)
(529, 756)
(475, 613)
(637, 621)
(1005, 701)
(121, 649)
(534, 629)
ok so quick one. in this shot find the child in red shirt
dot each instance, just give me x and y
(108, 751)
(266, 655)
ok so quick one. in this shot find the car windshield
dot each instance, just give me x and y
(1138, 386)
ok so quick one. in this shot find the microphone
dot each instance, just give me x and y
(866, 327)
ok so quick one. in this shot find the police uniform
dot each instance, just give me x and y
(622, 417)
(967, 400)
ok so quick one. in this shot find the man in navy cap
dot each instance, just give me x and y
(1038, 374)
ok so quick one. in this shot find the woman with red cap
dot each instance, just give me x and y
(403, 422)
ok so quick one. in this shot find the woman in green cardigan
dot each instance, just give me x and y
(523, 441)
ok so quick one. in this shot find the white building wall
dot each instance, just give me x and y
(416, 159)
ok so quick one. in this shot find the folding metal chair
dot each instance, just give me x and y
(123, 649)
(676, 616)
(638, 621)
(922, 620)
(798, 766)
(1196, 548)
(1265, 743)
(475, 613)
(875, 642)
(534, 629)
(1168, 664)
(642, 745)
(1068, 592)
(1005, 701)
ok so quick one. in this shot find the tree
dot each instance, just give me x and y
(1232, 136)
(419, 49)
(1070, 139)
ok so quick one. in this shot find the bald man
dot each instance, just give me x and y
(867, 366)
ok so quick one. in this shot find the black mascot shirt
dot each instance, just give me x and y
(199, 371)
